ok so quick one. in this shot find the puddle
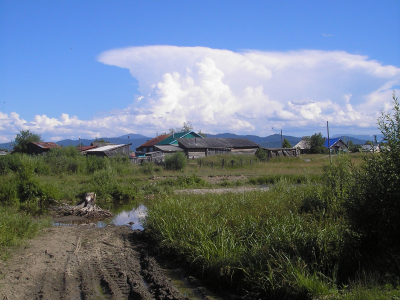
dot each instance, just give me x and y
(190, 291)
(132, 218)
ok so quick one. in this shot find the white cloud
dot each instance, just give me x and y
(242, 92)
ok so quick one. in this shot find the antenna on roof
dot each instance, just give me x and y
(157, 134)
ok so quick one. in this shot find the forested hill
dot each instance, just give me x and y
(273, 141)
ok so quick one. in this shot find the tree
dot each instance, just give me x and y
(176, 161)
(187, 126)
(353, 147)
(317, 143)
(286, 144)
(374, 205)
(23, 139)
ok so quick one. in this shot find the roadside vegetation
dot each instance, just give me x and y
(325, 229)
(337, 240)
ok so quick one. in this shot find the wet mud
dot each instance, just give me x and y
(85, 262)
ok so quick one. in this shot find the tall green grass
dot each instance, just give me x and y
(293, 242)
(263, 242)
(16, 227)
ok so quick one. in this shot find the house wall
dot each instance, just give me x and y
(251, 151)
(34, 149)
(121, 150)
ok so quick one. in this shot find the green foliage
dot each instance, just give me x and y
(353, 147)
(256, 241)
(63, 160)
(291, 178)
(187, 126)
(176, 161)
(317, 144)
(107, 188)
(374, 206)
(23, 139)
(17, 226)
(286, 144)
(185, 182)
(9, 163)
(147, 168)
(261, 154)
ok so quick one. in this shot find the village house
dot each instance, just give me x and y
(335, 145)
(149, 146)
(370, 148)
(200, 147)
(303, 146)
(40, 147)
(109, 150)
(172, 139)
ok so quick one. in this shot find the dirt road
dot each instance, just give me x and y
(84, 262)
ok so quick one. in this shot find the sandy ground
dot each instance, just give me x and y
(84, 262)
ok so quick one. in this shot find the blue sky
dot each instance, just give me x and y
(107, 68)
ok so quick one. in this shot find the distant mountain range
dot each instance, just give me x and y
(273, 141)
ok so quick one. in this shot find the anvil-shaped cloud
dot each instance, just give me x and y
(242, 92)
(252, 91)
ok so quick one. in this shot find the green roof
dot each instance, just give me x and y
(171, 140)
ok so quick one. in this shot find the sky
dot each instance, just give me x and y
(71, 69)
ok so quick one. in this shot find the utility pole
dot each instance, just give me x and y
(281, 140)
(329, 143)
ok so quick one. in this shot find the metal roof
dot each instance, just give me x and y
(85, 148)
(332, 142)
(106, 148)
(303, 144)
(156, 140)
(171, 139)
(169, 148)
(217, 143)
(46, 145)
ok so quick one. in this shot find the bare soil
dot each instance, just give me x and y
(85, 262)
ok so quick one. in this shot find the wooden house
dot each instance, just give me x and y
(149, 146)
(172, 140)
(41, 147)
(335, 145)
(303, 146)
(110, 150)
(196, 148)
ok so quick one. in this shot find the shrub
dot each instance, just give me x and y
(373, 207)
(176, 161)
(261, 154)
(147, 168)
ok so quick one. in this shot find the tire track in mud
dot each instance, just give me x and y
(83, 262)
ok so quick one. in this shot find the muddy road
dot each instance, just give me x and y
(85, 262)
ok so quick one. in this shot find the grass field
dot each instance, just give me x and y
(291, 242)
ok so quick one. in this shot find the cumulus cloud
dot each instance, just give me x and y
(242, 92)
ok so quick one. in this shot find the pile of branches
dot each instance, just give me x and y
(86, 208)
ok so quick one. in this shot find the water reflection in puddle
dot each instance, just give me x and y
(132, 218)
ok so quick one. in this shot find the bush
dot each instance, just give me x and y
(176, 161)
(373, 206)
(261, 154)
(147, 168)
